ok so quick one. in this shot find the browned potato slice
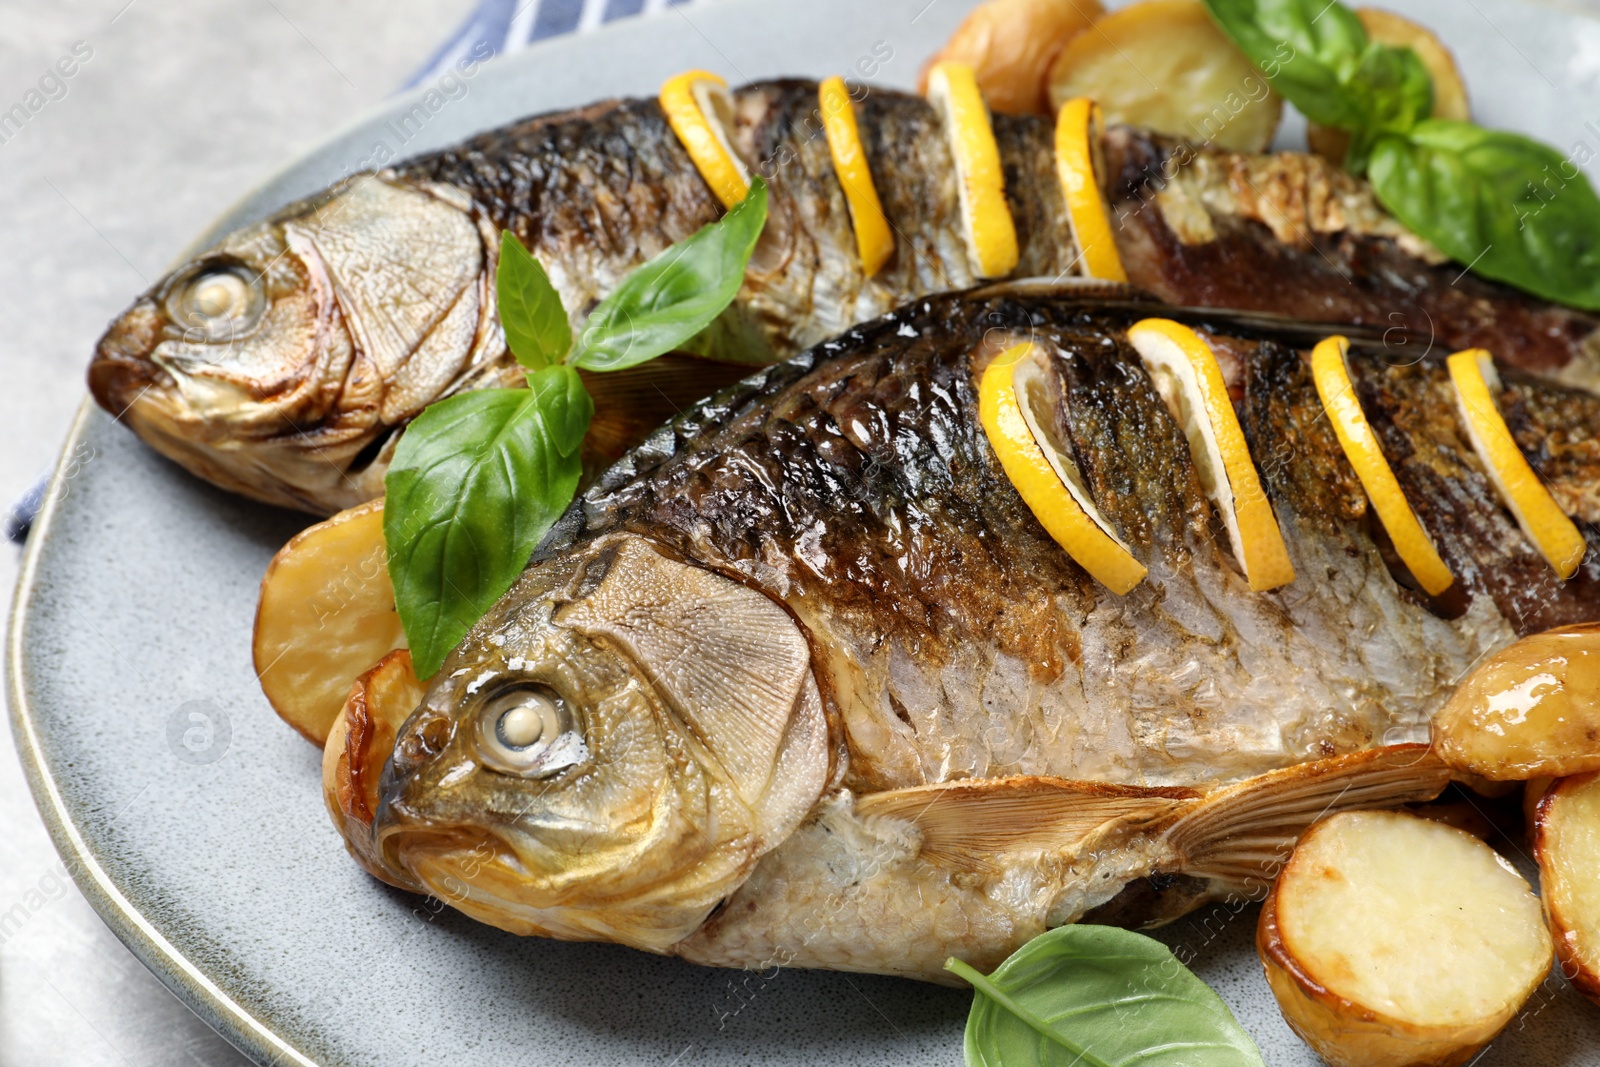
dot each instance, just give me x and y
(1011, 44)
(326, 614)
(1163, 64)
(1566, 839)
(1395, 941)
(1449, 91)
(359, 741)
(1531, 710)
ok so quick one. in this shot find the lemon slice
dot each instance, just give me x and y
(1360, 446)
(1046, 478)
(1187, 375)
(1524, 495)
(873, 239)
(985, 215)
(698, 107)
(1077, 156)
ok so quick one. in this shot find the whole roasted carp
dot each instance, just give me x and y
(802, 679)
(280, 362)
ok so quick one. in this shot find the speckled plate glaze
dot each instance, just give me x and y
(192, 819)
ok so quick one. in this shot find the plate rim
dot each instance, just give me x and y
(160, 956)
(246, 1030)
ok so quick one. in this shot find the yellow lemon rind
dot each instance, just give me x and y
(1189, 378)
(986, 217)
(1360, 445)
(1061, 507)
(692, 102)
(1077, 142)
(874, 239)
(1524, 495)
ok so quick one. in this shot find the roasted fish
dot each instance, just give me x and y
(802, 679)
(281, 362)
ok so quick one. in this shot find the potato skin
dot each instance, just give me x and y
(1584, 974)
(1527, 711)
(1011, 45)
(1345, 1034)
(359, 743)
(1165, 66)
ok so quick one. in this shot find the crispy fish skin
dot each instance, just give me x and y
(862, 492)
(1190, 224)
(358, 307)
(1007, 745)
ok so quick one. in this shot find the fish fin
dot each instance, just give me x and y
(729, 662)
(1070, 287)
(965, 825)
(1242, 834)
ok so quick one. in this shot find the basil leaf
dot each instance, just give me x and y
(1099, 996)
(476, 481)
(1504, 205)
(1308, 49)
(1318, 56)
(1394, 92)
(535, 324)
(677, 293)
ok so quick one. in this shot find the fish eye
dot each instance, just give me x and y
(528, 731)
(222, 301)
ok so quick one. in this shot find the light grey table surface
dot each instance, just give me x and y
(182, 106)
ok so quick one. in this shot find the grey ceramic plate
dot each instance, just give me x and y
(192, 817)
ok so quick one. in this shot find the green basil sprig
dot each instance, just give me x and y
(531, 316)
(1507, 207)
(1099, 996)
(478, 479)
(670, 299)
(1488, 189)
(1322, 61)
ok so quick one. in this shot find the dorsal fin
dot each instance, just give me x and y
(966, 824)
(1242, 834)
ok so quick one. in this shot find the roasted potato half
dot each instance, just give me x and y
(1531, 710)
(360, 740)
(326, 614)
(1163, 64)
(1011, 44)
(1566, 840)
(1395, 941)
(1449, 90)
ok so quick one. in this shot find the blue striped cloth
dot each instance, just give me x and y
(508, 25)
(504, 25)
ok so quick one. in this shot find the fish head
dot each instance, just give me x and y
(609, 752)
(278, 362)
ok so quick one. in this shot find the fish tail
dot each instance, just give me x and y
(1240, 837)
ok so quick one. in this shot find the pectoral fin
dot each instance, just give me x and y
(968, 825)
(1242, 834)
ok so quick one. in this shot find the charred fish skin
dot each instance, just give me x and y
(857, 486)
(294, 393)
(592, 192)
(1005, 745)
(1291, 233)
